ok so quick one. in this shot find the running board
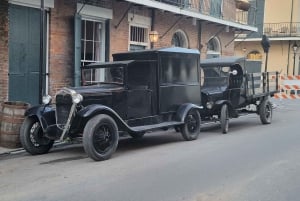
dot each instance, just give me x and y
(155, 126)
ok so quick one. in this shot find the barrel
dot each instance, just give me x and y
(12, 117)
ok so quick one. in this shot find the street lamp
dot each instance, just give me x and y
(295, 47)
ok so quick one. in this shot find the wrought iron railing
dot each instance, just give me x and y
(221, 9)
(283, 29)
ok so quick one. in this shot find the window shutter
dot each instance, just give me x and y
(77, 49)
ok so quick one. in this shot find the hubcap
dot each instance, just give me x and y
(37, 136)
(103, 138)
(191, 123)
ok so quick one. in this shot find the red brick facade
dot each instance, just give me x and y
(3, 50)
(61, 38)
(61, 45)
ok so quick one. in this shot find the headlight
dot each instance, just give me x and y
(209, 105)
(77, 98)
(47, 99)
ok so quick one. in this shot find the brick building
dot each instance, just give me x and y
(44, 43)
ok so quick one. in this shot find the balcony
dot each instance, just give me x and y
(238, 11)
(283, 29)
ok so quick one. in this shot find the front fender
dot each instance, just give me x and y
(184, 109)
(44, 113)
(95, 109)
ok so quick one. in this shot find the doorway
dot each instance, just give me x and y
(24, 54)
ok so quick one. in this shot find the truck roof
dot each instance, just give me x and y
(221, 61)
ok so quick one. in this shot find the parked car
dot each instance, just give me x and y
(228, 91)
(137, 92)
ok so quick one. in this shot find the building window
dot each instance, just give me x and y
(254, 55)
(138, 38)
(179, 39)
(92, 42)
(92, 49)
(213, 48)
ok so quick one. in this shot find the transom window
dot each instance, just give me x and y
(213, 48)
(179, 39)
(254, 55)
(138, 38)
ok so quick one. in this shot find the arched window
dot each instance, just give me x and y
(213, 48)
(254, 55)
(180, 39)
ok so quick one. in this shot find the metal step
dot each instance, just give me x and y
(156, 126)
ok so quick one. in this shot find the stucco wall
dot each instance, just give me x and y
(279, 60)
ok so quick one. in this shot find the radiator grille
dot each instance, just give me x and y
(63, 108)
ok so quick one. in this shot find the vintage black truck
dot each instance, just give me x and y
(137, 92)
(228, 91)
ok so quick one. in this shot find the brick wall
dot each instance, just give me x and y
(3, 50)
(165, 24)
(61, 53)
(210, 30)
(119, 35)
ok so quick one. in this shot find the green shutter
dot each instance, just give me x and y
(77, 50)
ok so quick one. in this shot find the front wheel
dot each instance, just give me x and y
(33, 138)
(191, 127)
(224, 119)
(265, 112)
(100, 137)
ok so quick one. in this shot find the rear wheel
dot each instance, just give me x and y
(224, 119)
(100, 137)
(191, 128)
(33, 138)
(265, 112)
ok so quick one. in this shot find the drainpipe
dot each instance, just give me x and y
(42, 61)
(152, 25)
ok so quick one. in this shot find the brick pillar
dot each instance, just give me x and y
(61, 56)
(3, 50)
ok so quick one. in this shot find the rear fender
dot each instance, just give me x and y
(184, 109)
(95, 109)
(44, 113)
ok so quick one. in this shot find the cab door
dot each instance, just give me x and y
(141, 90)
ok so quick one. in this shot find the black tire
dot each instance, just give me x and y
(191, 128)
(265, 112)
(100, 137)
(32, 137)
(138, 135)
(224, 119)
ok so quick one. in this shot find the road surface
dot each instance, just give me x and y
(253, 162)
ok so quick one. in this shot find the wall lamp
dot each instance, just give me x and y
(153, 36)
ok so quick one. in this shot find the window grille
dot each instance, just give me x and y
(138, 38)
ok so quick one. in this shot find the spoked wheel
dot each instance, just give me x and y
(191, 128)
(224, 119)
(265, 112)
(100, 137)
(33, 138)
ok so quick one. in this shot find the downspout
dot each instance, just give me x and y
(42, 61)
(152, 24)
(200, 46)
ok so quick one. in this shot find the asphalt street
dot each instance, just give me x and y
(253, 162)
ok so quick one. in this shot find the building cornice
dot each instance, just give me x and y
(197, 15)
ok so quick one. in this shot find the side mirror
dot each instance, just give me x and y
(234, 72)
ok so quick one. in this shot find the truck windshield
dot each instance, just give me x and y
(109, 75)
(214, 76)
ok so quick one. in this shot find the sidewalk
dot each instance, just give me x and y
(4, 150)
